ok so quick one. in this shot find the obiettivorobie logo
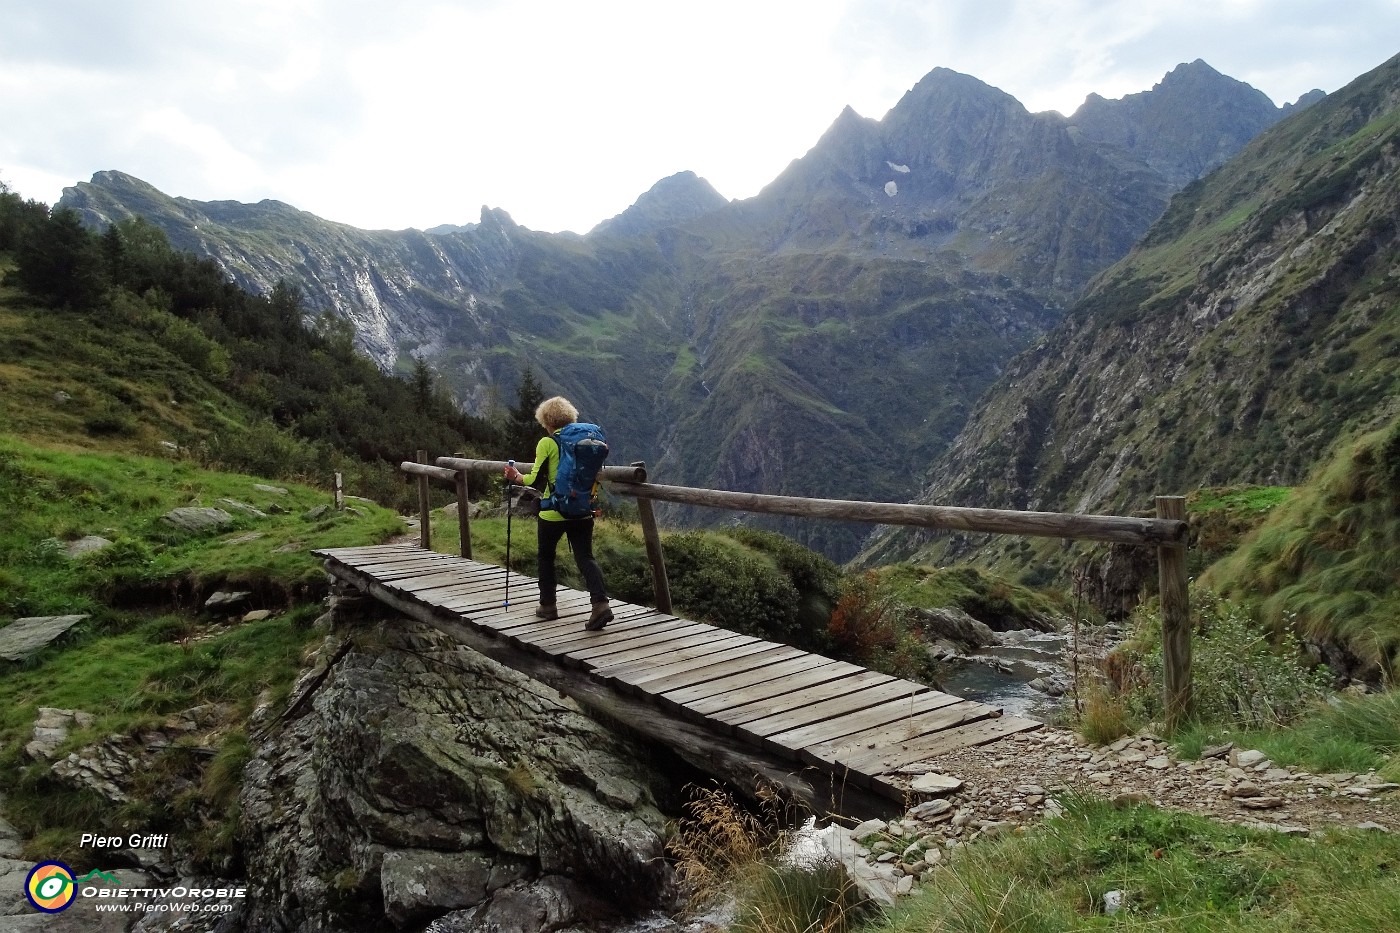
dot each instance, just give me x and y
(51, 887)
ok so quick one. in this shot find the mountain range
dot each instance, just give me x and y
(830, 336)
(1255, 326)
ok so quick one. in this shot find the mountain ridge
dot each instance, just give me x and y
(1244, 335)
(909, 257)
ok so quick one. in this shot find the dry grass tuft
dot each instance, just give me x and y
(727, 855)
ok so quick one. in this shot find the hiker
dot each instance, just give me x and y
(555, 415)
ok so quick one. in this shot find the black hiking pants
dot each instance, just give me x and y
(580, 534)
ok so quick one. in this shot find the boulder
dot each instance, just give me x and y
(953, 625)
(23, 637)
(197, 519)
(87, 544)
(226, 599)
(233, 505)
(417, 884)
(424, 777)
(51, 730)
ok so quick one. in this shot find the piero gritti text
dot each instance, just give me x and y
(133, 841)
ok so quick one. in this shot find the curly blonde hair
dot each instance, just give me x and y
(554, 413)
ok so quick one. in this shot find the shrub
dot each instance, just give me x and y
(722, 583)
(1240, 678)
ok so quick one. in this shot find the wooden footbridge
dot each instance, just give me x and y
(834, 735)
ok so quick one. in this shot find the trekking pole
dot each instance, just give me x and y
(509, 485)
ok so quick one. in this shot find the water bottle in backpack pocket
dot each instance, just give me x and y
(582, 451)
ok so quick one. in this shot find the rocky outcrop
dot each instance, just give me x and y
(425, 781)
(23, 637)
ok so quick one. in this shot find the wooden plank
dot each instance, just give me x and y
(360, 561)
(346, 554)
(712, 667)
(568, 605)
(925, 747)
(491, 616)
(588, 650)
(761, 703)
(626, 627)
(679, 636)
(854, 746)
(841, 705)
(608, 656)
(736, 683)
(385, 565)
(796, 666)
(637, 619)
(567, 623)
(571, 610)
(881, 719)
(481, 602)
(645, 659)
(398, 570)
(450, 576)
(441, 596)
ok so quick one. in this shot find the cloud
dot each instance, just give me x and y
(421, 111)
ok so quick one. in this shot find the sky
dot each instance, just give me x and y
(386, 114)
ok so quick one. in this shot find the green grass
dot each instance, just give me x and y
(1325, 563)
(983, 595)
(147, 650)
(1356, 734)
(1178, 872)
(1246, 499)
(54, 496)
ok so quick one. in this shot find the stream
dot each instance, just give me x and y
(1000, 675)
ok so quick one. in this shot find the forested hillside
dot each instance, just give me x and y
(120, 340)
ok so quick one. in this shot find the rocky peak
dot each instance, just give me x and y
(672, 200)
(1193, 120)
(1302, 103)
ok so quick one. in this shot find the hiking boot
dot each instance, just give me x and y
(601, 615)
(548, 612)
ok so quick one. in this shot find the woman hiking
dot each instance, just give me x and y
(555, 414)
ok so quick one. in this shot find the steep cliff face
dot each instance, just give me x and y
(866, 297)
(1253, 326)
(401, 289)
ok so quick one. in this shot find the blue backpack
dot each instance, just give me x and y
(582, 451)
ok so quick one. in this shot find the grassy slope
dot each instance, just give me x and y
(1327, 561)
(147, 650)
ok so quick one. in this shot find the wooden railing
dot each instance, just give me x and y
(1167, 533)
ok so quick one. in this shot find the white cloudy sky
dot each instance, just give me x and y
(398, 113)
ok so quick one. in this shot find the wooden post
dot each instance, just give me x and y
(1176, 617)
(425, 529)
(660, 585)
(339, 491)
(464, 517)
